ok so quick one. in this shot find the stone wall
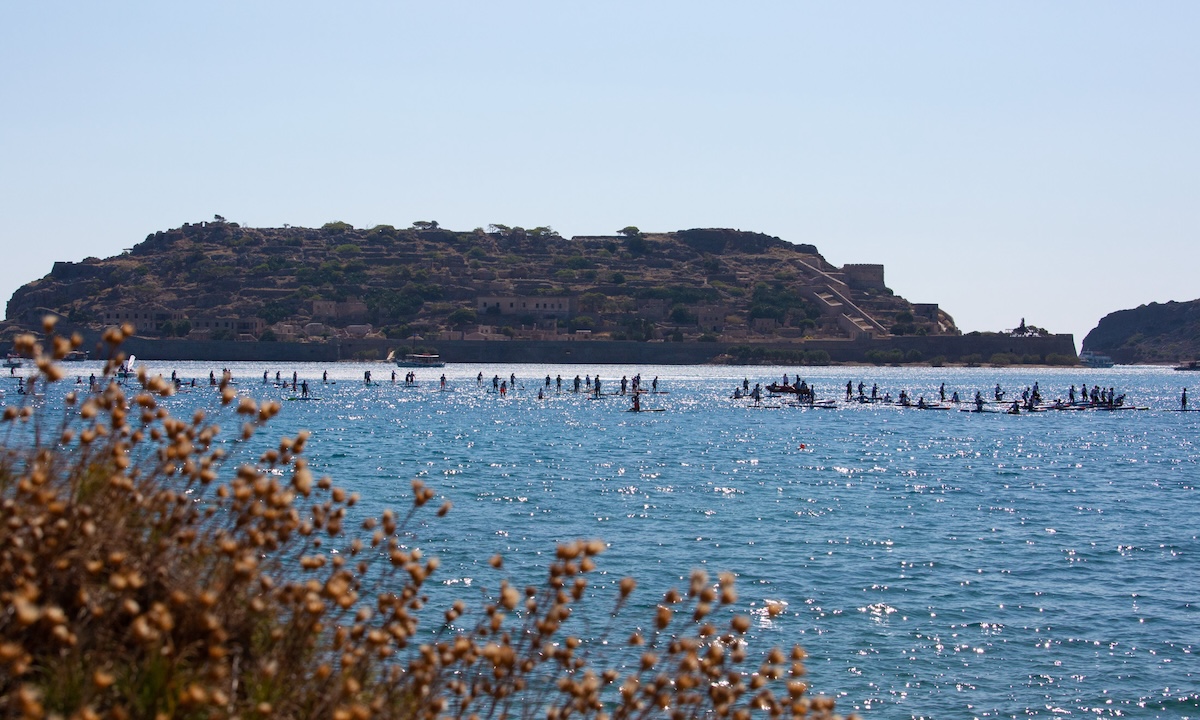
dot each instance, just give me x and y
(952, 348)
(864, 276)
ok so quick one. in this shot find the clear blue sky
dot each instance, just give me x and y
(1003, 159)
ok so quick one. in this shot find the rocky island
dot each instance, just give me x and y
(218, 290)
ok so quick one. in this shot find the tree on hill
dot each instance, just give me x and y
(460, 317)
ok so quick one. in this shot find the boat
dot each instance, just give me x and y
(127, 369)
(12, 361)
(421, 360)
(1189, 366)
(75, 356)
(1095, 359)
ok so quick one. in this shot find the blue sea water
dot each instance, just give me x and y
(934, 564)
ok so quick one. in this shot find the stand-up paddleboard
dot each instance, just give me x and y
(818, 405)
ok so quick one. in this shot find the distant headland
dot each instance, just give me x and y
(1154, 333)
(216, 290)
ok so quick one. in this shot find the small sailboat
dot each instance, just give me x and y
(126, 370)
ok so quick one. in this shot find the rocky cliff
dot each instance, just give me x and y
(1154, 333)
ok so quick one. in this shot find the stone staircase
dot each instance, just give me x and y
(850, 318)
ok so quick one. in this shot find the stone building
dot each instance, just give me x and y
(349, 311)
(538, 306)
(204, 327)
(711, 317)
(146, 320)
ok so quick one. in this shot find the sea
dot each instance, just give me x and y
(932, 563)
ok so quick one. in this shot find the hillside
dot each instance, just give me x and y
(217, 280)
(1154, 333)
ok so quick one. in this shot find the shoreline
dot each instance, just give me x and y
(946, 351)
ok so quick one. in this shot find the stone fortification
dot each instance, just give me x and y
(975, 348)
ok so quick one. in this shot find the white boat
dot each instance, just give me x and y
(1095, 359)
(421, 360)
(127, 369)
(12, 361)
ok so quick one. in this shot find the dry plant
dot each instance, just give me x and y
(140, 579)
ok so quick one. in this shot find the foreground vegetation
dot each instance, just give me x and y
(141, 578)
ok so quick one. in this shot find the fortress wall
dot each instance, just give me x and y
(862, 276)
(952, 347)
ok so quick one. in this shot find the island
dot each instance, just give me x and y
(217, 290)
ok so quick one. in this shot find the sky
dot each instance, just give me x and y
(1005, 160)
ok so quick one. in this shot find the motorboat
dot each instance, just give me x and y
(1095, 359)
(421, 360)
